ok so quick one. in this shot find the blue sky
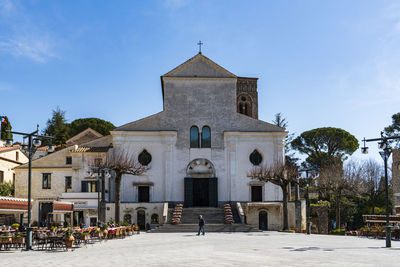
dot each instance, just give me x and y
(320, 63)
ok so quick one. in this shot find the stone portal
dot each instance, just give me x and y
(201, 185)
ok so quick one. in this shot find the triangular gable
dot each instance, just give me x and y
(200, 66)
(85, 136)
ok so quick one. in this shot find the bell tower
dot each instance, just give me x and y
(247, 97)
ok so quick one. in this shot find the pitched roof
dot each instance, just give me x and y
(83, 137)
(199, 66)
(86, 149)
(7, 149)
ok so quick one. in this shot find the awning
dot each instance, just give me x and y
(12, 204)
(62, 207)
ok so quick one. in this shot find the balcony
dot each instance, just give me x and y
(81, 200)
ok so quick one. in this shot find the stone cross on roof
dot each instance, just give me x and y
(199, 44)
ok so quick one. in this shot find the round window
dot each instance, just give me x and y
(255, 158)
(144, 158)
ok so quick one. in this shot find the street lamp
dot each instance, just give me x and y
(308, 180)
(34, 141)
(101, 172)
(385, 154)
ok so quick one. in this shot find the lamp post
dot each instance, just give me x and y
(101, 172)
(34, 141)
(308, 211)
(385, 154)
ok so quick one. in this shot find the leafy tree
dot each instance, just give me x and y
(394, 129)
(57, 127)
(99, 125)
(325, 145)
(282, 175)
(120, 162)
(5, 127)
(6, 189)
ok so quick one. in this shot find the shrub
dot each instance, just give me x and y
(338, 232)
(287, 231)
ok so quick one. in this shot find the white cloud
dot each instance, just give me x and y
(21, 37)
(36, 49)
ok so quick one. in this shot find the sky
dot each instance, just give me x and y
(320, 63)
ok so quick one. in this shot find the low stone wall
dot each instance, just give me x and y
(132, 208)
(275, 214)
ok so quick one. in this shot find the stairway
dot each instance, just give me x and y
(214, 218)
(210, 215)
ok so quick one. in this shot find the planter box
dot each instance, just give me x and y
(85, 237)
(20, 240)
(7, 240)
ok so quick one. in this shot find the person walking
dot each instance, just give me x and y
(201, 225)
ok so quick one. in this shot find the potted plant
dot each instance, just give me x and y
(98, 233)
(69, 238)
(19, 239)
(15, 226)
(6, 239)
(85, 235)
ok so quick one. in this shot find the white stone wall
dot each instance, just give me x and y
(132, 208)
(8, 166)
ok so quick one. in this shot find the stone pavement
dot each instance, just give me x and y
(218, 249)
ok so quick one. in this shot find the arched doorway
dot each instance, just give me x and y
(141, 219)
(263, 220)
(201, 187)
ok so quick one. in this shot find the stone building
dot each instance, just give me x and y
(10, 157)
(202, 145)
(64, 177)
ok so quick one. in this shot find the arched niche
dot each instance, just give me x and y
(200, 168)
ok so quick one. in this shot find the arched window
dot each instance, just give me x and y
(244, 105)
(144, 158)
(255, 158)
(194, 137)
(206, 137)
(154, 218)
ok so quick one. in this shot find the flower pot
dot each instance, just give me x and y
(69, 243)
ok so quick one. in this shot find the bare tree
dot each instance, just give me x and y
(121, 162)
(280, 174)
(372, 178)
(336, 181)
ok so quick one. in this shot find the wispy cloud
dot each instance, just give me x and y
(21, 37)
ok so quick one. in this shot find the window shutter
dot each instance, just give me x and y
(188, 192)
(84, 186)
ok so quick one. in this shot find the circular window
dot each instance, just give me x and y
(243, 98)
(255, 158)
(144, 158)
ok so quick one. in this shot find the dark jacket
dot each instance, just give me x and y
(202, 222)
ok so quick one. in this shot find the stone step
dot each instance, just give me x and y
(210, 215)
(186, 228)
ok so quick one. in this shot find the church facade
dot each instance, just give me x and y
(201, 147)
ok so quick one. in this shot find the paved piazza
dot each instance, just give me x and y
(218, 249)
